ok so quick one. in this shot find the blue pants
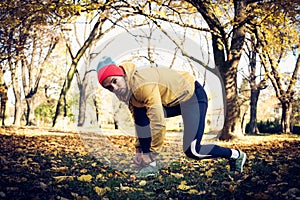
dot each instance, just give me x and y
(193, 114)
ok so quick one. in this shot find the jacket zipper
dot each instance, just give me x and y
(178, 98)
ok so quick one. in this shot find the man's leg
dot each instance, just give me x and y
(193, 114)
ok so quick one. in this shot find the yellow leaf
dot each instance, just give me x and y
(63, 178)
(208, 173)
(124, 162)
(124, 188)
(193, 191)
(83, 153)
(203, 192)
(160, 13)
(183, 186)
(75, 195)
(184, 167)
(59, 169)
(101, 191)
(99, 176)
(85, 178)
(177, 175)
(142, 183)
(232, 188)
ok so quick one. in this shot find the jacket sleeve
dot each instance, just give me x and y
(150, 96)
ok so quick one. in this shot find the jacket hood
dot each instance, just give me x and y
(129, 69)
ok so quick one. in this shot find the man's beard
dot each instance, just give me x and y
(126, 96)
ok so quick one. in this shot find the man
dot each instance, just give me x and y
(153, 94)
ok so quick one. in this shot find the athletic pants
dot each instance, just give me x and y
(193, 112)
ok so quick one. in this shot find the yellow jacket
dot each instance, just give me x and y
(154, 88)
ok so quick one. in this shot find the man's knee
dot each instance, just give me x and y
(188, 152)
(197, 151)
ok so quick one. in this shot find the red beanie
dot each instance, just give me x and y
(109, 70)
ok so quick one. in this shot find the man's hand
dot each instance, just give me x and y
(143, 159)
(146, 159)
(149, 158)
(138, 158)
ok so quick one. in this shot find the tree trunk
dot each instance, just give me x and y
(97, 112)
(18, 111)
(232, 126)
(4, 98)
(232, 122)
(30, 112)
(82, 106)
(116, 125)
(17, 94)
(253, 130)
(228, 69)
(242, 121)
(286, 117)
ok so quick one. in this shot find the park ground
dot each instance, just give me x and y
(50, 164)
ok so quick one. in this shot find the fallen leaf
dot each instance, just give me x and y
(101, 191)
(125, 188)
(63, 178)
(83, 171)
(262, 196)
(142, 183)
(59, 169)
(99, 176)
(85, 178)
(2, 194)
(177, 175)
(183, 186)
(232, 188)
(193, 191)
(43, 186)
(208, 173)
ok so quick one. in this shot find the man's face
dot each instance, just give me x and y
(115, 84)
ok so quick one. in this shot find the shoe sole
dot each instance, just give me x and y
(150, 175)
(147, 176)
